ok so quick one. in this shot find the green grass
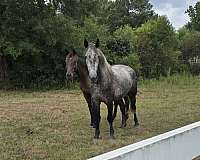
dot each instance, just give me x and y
(55, 124)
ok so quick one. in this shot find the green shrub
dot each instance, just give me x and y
(195, 69)
(121, 48)
(157, 47)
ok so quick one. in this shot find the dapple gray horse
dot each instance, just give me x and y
(109, 83)
(77, 64)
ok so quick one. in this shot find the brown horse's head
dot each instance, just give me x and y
(71, 64)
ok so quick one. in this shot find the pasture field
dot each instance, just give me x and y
(54, 125)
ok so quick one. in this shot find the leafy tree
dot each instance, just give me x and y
(18, 20)
(37, 39)
(78, 9)
(126, 33)
(121, 48)
(194, 14)
(190, 46)
(182, 32)
(35, 36)
(156, 44)
(92, 30)
(132, 12)
(190, 49)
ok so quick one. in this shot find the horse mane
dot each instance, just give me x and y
(104, 62)
(81, 59)
(103, 59)
(82, 62)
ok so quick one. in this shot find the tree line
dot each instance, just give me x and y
(36, 35)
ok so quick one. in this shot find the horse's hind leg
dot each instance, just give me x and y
(126, 100)
(115, 110)
(110, 119)
(132, 97)
(123, 111)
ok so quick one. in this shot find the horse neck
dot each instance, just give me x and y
(105, 68)
(82, 69)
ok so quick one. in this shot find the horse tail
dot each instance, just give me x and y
(137, 76)
(132, 97)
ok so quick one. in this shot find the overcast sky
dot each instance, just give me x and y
(174, 9)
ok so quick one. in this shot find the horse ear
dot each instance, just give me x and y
(86, 43)
(97, 43)
(74, 52)
(67, 52)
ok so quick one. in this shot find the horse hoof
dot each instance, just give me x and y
(114, 117)
(96, 137)
(136, 124)
(112, 137)
(93, 125)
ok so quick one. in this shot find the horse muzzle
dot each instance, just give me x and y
(93, 78)
(69, 76)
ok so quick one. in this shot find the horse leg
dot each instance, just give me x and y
(97, 117)
(123, 111)
(133, 108)
(126, 100)
(115, 110)
(88, 99)
(110, 119)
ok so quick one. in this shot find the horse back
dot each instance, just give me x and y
(124, 79)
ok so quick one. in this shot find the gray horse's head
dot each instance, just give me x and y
(71, 64)
(92, 59)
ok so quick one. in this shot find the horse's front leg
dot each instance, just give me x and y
(115, 109)
(110, 119)
(88, 99)
(96, 116)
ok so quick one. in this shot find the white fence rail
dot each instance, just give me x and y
(179, 144)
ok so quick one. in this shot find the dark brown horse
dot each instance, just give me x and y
(77, 64)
